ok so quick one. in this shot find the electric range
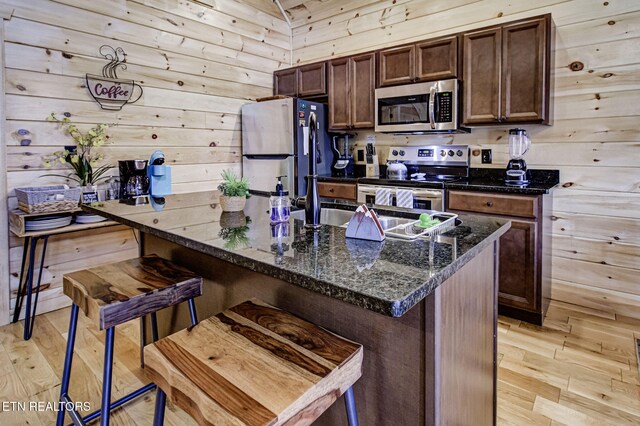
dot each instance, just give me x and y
(429, 167)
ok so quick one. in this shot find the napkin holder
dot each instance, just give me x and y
(364, 225)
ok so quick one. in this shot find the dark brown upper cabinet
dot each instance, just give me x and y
(506, 73)
(351, 92)
(285, 82)
(306, 81)
(396, 66)
(312, 80)
(437, 59)
(425, 61)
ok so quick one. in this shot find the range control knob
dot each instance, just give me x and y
(401, 153)
(394, 152)
(443, 153)
(459, 153)
(451, 153)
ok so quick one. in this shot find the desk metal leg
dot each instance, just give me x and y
(29, 283)
(19, 296)
(28, 326)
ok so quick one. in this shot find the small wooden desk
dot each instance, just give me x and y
(17, 227)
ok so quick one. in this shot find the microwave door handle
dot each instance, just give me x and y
(432, 103)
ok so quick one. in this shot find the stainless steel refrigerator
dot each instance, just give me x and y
(275, 143)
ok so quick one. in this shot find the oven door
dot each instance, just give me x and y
(424, 199)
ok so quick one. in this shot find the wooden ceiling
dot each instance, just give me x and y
(302, 12)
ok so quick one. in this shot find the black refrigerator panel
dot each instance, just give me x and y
(325, 157)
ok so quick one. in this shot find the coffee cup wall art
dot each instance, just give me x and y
(111, 92)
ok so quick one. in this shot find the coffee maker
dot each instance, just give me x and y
(134, 181)
(517, 173)
(343, 164)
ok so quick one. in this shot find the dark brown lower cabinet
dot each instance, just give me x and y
(517, 266)
(525, 249)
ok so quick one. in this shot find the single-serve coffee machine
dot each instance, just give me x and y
(343, 164)
(134, 179)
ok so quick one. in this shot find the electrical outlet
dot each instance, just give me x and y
(486, 156)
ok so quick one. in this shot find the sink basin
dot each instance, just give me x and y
(337, 217)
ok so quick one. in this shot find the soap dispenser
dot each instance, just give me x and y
(279, 203)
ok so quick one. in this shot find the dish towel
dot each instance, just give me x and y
(383, 197)
(404, 198)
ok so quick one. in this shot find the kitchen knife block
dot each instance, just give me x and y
(373, 167)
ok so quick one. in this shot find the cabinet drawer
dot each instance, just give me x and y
(345, 191)
(491, 203)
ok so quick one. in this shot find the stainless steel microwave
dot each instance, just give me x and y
(419, 108)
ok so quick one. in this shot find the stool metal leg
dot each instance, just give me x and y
(28, 325)
(106, 380)
(21, 284)
(350, 402)
(192, 312)
(158, 415)
(143, 339)
(68, 358)
(154, 326)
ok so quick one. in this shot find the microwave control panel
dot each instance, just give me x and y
(443, 103)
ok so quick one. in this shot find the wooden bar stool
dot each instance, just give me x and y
(114, 294)
(254, 364)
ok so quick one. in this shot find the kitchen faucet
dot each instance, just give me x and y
(312, 200)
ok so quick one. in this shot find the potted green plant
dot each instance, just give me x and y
(235, 192)
(86, 171)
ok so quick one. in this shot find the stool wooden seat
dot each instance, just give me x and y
(118, 292)
(254, 364)
(114, 294)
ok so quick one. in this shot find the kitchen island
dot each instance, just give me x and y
(425, 311)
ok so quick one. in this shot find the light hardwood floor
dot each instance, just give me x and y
(579, 369)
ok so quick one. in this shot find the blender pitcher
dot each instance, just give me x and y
(519, 143)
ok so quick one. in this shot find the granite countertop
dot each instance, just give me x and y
(388, 277)
(480, 179)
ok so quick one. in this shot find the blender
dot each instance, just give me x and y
(519, 144)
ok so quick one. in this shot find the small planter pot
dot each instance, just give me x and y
(232, 204)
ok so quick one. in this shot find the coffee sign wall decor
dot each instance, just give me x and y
(111, 92)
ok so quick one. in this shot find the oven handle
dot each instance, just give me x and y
(417, 193)
(432, 103)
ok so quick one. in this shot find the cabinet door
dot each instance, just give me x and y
(517, 266)
(312, 80)
(285, 82)
(437, 59)
(524, 60)
(339, 94)
(481, 74)
(362, 87)
(396, 66)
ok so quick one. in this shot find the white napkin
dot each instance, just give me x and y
(383, 197)
(404, 198)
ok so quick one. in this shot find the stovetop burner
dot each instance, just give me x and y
(436, 178)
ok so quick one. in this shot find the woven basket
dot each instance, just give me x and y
(48, 199)
(232, 204)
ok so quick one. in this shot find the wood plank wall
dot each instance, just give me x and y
(594, 142)
(198, 62)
